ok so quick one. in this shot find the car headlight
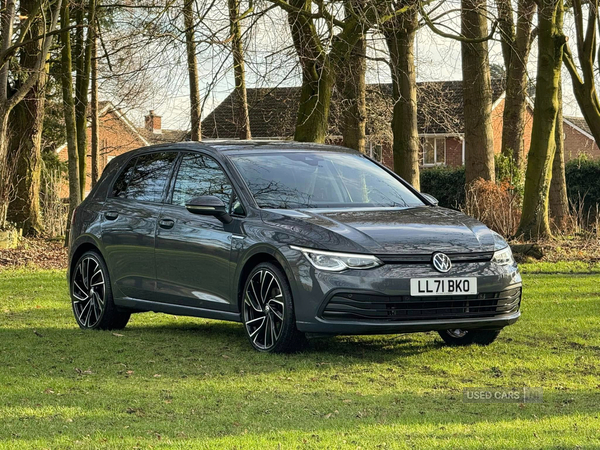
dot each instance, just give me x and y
(503, 257)
(336, 262)
(502, 253)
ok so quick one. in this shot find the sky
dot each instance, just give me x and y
(270, 61)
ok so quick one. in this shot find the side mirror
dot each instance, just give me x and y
(431, 199)
(209, 205)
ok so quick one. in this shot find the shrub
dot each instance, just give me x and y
(583, 186)
(497, 205)
(447, 184)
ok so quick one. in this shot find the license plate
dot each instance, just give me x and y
(421, 287)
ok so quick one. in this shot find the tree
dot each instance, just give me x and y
(83, 61)
(69, 109)
(321, 57)
(94, 118)
(558, 200)
(477, 93)
(400, 38)
(240, 114)
(26, 122)
(516, 44)
(534, 221)
(584, 84)
(192, 67)
(11, 39)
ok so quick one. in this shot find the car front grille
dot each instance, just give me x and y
(352, 306)
(426, 258)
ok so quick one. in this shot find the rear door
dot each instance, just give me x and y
(193, 251)
(129, 221)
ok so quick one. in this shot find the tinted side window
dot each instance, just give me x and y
(149, 177)
(200, 175)
(120, 186)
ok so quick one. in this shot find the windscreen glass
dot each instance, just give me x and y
(292, 180)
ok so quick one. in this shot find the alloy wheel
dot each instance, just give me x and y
(264, 309)
(89, 291)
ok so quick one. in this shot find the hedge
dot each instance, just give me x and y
(447, 184)
(583, 183)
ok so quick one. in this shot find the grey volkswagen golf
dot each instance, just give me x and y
(289, 239)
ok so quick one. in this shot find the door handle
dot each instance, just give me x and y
(111, 215)
(166, 223)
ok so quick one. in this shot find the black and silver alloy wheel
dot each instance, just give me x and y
(264, 309)
(89, 292)
(91, 295)
(268, 312)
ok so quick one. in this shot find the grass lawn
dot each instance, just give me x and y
(175, 382)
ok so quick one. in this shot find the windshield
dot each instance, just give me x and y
(320, 180)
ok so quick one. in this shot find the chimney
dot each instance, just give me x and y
(153, 123)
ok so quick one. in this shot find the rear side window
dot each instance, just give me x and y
(200, 175)
(120, 187)
(144, 179)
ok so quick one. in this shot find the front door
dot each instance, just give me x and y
(129, 220)
(193, 251)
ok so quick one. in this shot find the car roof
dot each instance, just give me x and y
(245, 147)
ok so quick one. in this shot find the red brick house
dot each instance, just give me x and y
(579, 139)
(119, 135)
(440, 121)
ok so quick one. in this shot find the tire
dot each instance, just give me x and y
(91, 295)
(461, 338)
(268, 311)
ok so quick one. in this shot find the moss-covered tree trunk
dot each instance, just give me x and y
(584, 76)
(352, 86)
(26, 133)
(534, 221)
(240, 113)
(83, 61)
(516, 45)
(94, 113)
(400, 37)
(192, 67)
(558, 200)
(319, 67)
(69, 110)
(477, 93)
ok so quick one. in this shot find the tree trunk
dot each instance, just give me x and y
(353, 90)
(559, 202)
(319, 68)
(69, 111)
(534, 221)
(241, 117)
(477, 94)
(400, 41)
(26, 123)
(516, 54)
(585, 89)
(94, 118)
(8, 100)
(317, 79)
(6, 166)
(192, 66)
(83, 59)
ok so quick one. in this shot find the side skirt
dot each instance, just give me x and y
(177, 310)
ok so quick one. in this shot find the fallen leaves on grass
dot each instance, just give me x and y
(35, 252)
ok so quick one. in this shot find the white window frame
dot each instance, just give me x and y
(373, 152)
(435, 137)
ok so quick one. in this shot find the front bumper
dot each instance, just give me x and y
(388, 287)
